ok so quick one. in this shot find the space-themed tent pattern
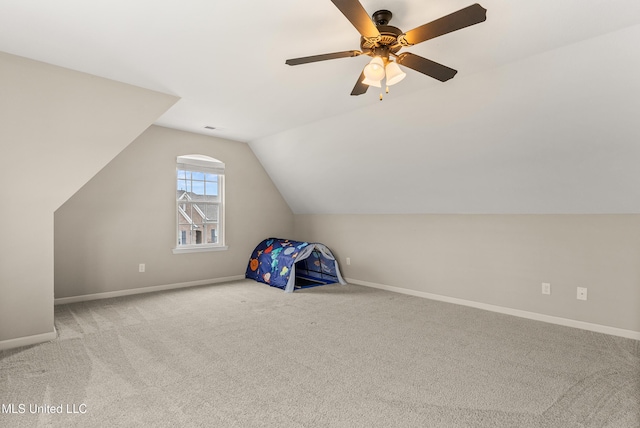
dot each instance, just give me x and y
(288, 264)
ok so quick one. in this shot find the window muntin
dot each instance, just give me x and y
(199, 202)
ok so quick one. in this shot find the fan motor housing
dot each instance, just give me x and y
(388, 37)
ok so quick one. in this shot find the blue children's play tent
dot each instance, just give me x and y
(289, 265)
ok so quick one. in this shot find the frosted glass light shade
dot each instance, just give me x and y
(370, 82)
(375, 69)
(394, 74)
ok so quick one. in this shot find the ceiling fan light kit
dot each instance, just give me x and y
(382, 41)
(370, 82)
(375, 69)
(393, 73)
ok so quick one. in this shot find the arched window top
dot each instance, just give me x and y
(195, 157)
(201, 161)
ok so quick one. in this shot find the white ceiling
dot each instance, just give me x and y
(539, 118)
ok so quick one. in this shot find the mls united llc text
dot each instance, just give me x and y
(22, 408)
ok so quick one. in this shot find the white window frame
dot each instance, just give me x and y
(206, 164)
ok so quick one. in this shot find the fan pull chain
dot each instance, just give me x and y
(386, 90)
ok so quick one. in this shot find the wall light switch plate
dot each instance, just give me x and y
(546, 288)
(581, 293)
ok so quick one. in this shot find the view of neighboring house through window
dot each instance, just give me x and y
(200, 202)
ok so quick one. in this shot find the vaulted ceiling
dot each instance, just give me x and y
(541, 117)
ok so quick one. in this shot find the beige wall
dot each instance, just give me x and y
(125, 215)
(496, 259)
(59, 127)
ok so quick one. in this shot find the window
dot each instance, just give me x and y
(199, 204)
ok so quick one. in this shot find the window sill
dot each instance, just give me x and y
(198, 249)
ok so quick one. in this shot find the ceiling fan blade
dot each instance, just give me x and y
(426, 66)
(466, 17)
(323, 57)
(360, 88)
(359, 17)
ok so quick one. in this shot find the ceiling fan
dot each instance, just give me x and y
(383, 42)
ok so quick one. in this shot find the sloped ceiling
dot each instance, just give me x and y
(539, 119)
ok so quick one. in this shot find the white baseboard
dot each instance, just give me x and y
(598, 328)
(28, 340)
(141, 290)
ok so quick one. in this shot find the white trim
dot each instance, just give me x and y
(200, 161)
(598, 328)
(198, 248)
(28, 340)
(184, 213)
(142, 290)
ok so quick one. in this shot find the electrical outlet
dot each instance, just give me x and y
(141, 267)
(348, 260)
(582, 293)
(546, 288)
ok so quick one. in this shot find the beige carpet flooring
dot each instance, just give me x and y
(244, 354)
